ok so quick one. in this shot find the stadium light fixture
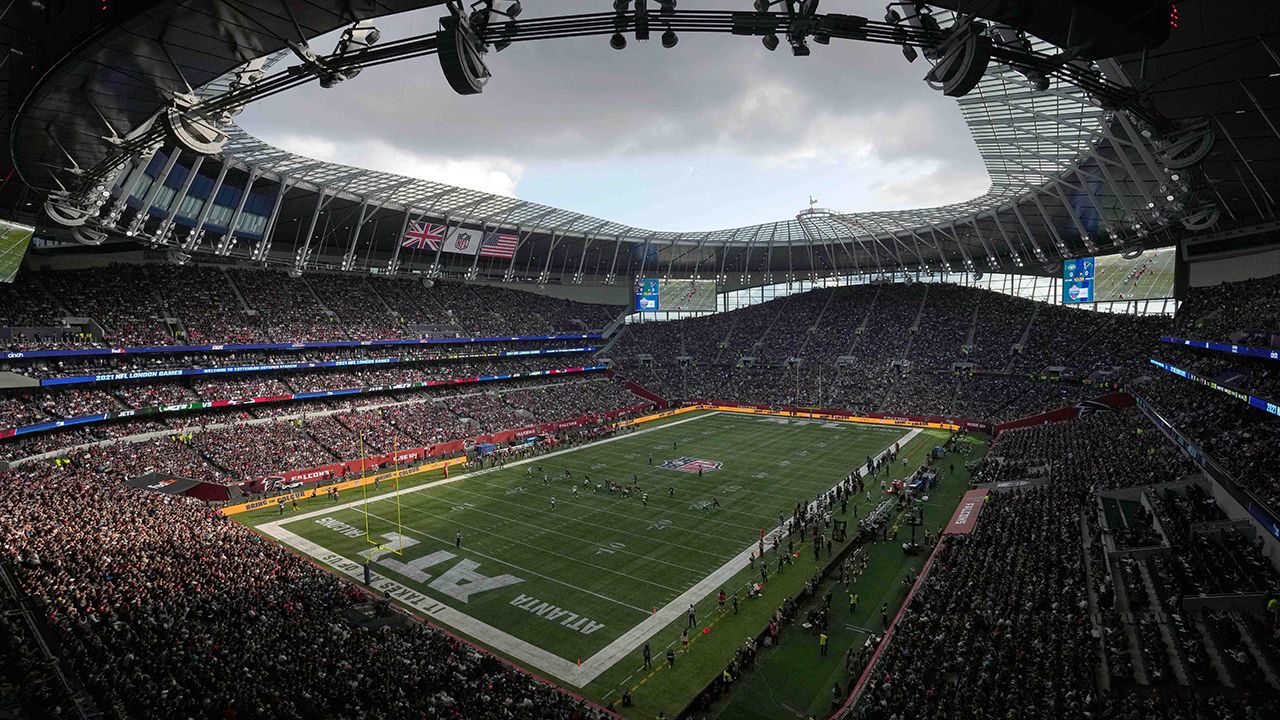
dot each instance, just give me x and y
(770, 42)
(618, 42)
(356, 38)
(669, 39)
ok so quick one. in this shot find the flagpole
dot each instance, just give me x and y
(393, 265)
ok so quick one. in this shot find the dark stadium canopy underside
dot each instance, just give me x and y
(1068, 178)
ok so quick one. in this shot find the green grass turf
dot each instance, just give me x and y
(1156, 282)
(793, 680)
(612, 559)
(14, 241)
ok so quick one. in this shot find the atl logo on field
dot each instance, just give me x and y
(692, 465)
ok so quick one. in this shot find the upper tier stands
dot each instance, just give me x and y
(932, 326)
(135, 305)
(1246, 312)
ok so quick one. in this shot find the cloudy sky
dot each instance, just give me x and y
(716, 132)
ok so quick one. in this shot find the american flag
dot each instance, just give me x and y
(422, 234)
(499, 245)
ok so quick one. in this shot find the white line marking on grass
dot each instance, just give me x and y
(541, 532)
(531, 655)
(576, 519)
(485, 471)
(445, 541)
(626, 643)
(526, 652)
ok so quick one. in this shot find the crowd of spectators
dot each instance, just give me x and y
(254, 450)
(1246, 312)
(164, 608)
(1248, 374)
(1000, 627)
(303, 434)
(118, 364)
(25, 407)
(121, 298)
(1004, 624)
(920, 348)
(144, 304)
(1243, 440)
(287, 308)
(989, 397)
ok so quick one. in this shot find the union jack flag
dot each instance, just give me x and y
(499, 245)
(423, 235)
(692, 465)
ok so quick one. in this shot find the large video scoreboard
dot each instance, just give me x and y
(686, 296)
(1111, 278)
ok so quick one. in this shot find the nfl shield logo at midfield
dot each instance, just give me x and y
(692, 465)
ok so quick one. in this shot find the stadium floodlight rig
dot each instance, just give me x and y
(961, 53)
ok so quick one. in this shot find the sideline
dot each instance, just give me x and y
(436, 465)
(583, 673)
(626, 643)
(464, 476)
(430, 607)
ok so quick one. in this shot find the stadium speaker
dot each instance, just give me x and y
(428, 283)
(66, 213)
(461, 56)
(962, 59)
(192, 130)
(88, 236)
(1203, 217)
(1187, 147)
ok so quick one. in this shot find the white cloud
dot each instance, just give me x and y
(926, 184)
(492, 175)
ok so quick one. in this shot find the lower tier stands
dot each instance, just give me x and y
(197, 606)
(1032, 615)
(231, 446)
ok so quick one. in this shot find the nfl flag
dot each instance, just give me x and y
(422, 235)
(462, 241)
(499, 245)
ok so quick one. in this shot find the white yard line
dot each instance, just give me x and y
(626, 643)
(500, 640)
(486, 471)
(532, 655)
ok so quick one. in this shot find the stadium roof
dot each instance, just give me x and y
(1068, 177)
